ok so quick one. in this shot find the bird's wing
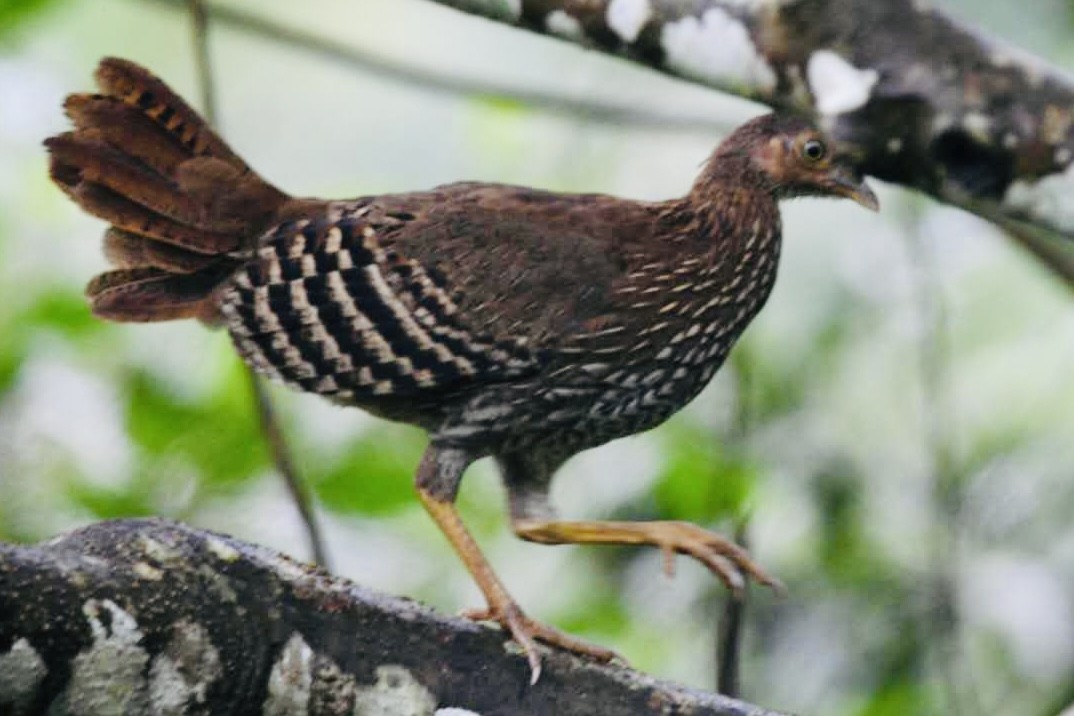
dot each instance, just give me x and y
(418, 294)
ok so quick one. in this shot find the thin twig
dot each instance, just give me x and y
(450, 84)
(733, 618)
(281, 456)
(729, 639)
(270, 425)
(1051, 250)
(203, 61)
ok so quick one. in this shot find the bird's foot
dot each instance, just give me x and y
(527, 632)
(727, 560)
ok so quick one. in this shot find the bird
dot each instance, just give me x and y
(507, 322)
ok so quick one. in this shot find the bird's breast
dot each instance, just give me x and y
(677, 325)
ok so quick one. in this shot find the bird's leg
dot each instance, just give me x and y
(723, 557)
(527, 478)
(437, 483)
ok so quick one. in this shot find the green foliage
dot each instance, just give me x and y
(702, 480)
(219, 435)
(60, 312)
(15, 12)
(897, 699)
(12, 353)
(844, 549)
(601, 613)
(64, 312)
(111, 503)
(374, 476)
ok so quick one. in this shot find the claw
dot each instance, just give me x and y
(728, 561)
(526, 633)
(669, 560)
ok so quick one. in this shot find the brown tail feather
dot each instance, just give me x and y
(138, 87)
(130, 251)
(136, 219)
(182, 205)
(101, 164)
(149, 294)
(121, 125)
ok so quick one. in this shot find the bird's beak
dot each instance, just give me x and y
(850, 184)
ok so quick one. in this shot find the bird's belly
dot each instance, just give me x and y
(576, 410)
(652, 396)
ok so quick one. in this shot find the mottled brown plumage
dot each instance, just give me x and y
(512, 322)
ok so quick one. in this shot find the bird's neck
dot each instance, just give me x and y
(730, 168)
(729, 197)
(730, 221)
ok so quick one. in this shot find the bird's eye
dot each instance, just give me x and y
(814, 150)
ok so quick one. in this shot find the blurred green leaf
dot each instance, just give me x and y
(65, 312)
(602, 613)
(12, 355)
(219, 435)
(375, 476)
(845, 550)
(500, 103)
(107, 503)
(702, 481)
(898, 699)
(14, 12)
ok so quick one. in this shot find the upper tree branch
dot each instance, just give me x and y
(439, 81)
(149, 616)
(919, 98)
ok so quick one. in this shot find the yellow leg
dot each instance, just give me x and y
(501, 607)
(724, 558)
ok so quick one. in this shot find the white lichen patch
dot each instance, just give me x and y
(396, 693)
(290, 680)
(453, 711)
(222, 549)
(716, 48)
(978, 126)
(106, 677)
(560, 23)
(761, 4)
(147, 571)
(21, 671)
(157, 550)
(287, 569)
(182, 673)
(1049, 200)
(626, 18)
(838, 86)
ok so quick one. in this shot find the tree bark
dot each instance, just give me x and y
(154, 617)
(919, 98)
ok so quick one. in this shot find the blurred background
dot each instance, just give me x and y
(896, 429)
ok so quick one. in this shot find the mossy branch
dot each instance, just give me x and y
(151, 616)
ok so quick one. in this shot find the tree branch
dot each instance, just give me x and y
(919, 98)
(432, 80)
(150, 616)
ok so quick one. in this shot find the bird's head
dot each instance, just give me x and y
(789, 157)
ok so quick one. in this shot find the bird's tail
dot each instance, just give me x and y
(183, 207)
